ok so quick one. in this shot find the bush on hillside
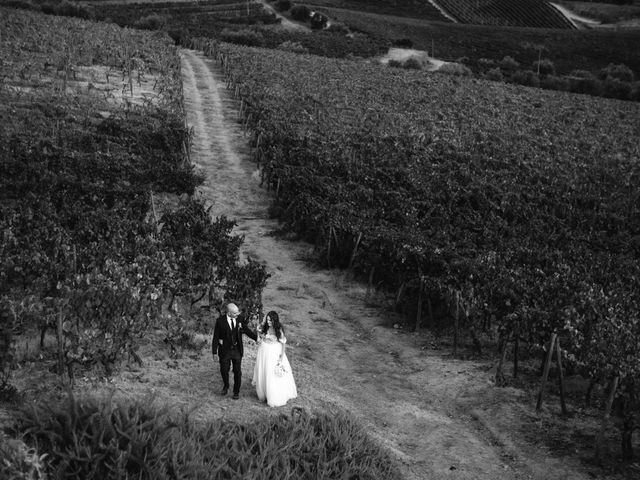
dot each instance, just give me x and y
(544, 67)
(412, 63)
(614, 88)
(395, 63)
(509, 64)
(486, 63)
(552, 82)
(22, 4)
(294, 47)
(301, 13)
(583, 81)
(526, 77)
(283, 5)
(107, 439)
(151, 22)
(619, 72)
(403, 43)
(244, 37)
(635, 92)
(338, 28)
(455, 69)
(495, 74)
(318, 21)
(68, 9)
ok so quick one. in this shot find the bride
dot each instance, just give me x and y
(272, 374)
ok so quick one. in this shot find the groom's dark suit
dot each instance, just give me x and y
(227, 343)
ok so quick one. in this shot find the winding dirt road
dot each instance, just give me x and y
(429, 409)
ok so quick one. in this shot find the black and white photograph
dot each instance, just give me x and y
(318, 240)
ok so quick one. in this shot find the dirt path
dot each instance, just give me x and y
(428, 409)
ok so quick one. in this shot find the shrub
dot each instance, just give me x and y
(412, 63)
(19, 461)
(463, 60)
(635, 92)
(294, 47)
(509, 64)
(245, 37)
(403, 43)
(318, 21)
(544, 67)
(151, 22)
(455, 69)
(22, 4)
(619, 72)
(107, 439)
(338, 28)
(486, 63)
(48, 8)
(68, 9)
(552, 82)
(179, 36)
(495, 74)
(283, 5)
(302, 13)
(582, 81)
(614, 88)
(395, 63)
(6, 344)
(526, 77)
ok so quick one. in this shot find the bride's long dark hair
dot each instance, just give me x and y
(275, 321)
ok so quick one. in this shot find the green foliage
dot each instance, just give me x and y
(283, 5)
(552, 82)
(486, 196)
(109, 439)
(19, 462)
(544, 67)
(412, 63)
(80, 246)
(508, 64)
(246, 37)
(6, 344)
(302, 13)
(526, 77)
(456, 69)
(318, 20)
(151, 22)
(619, 72)
(495, 74)
(293, 47)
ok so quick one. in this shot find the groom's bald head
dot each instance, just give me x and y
(233, 310)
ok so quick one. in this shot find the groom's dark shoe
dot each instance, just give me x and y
(225, 390)
(236, 395)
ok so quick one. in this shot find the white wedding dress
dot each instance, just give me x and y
(276, 390)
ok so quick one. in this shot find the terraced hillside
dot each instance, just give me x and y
(515, 13)
(424, 10)
(225, 10)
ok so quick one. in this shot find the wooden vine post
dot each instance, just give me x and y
(545, 374)
(456, 323)
(419, 312)
(563, 403)
(605, 418)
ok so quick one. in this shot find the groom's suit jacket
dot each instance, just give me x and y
(223, 336)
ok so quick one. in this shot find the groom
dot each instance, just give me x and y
(227, 343)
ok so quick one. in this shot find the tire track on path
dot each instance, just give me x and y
(343, 353)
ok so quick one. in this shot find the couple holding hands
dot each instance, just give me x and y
(272, 374)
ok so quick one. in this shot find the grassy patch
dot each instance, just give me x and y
(104, 439)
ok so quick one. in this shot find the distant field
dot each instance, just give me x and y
(605, 12)
(403, 8)
(568, 49)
